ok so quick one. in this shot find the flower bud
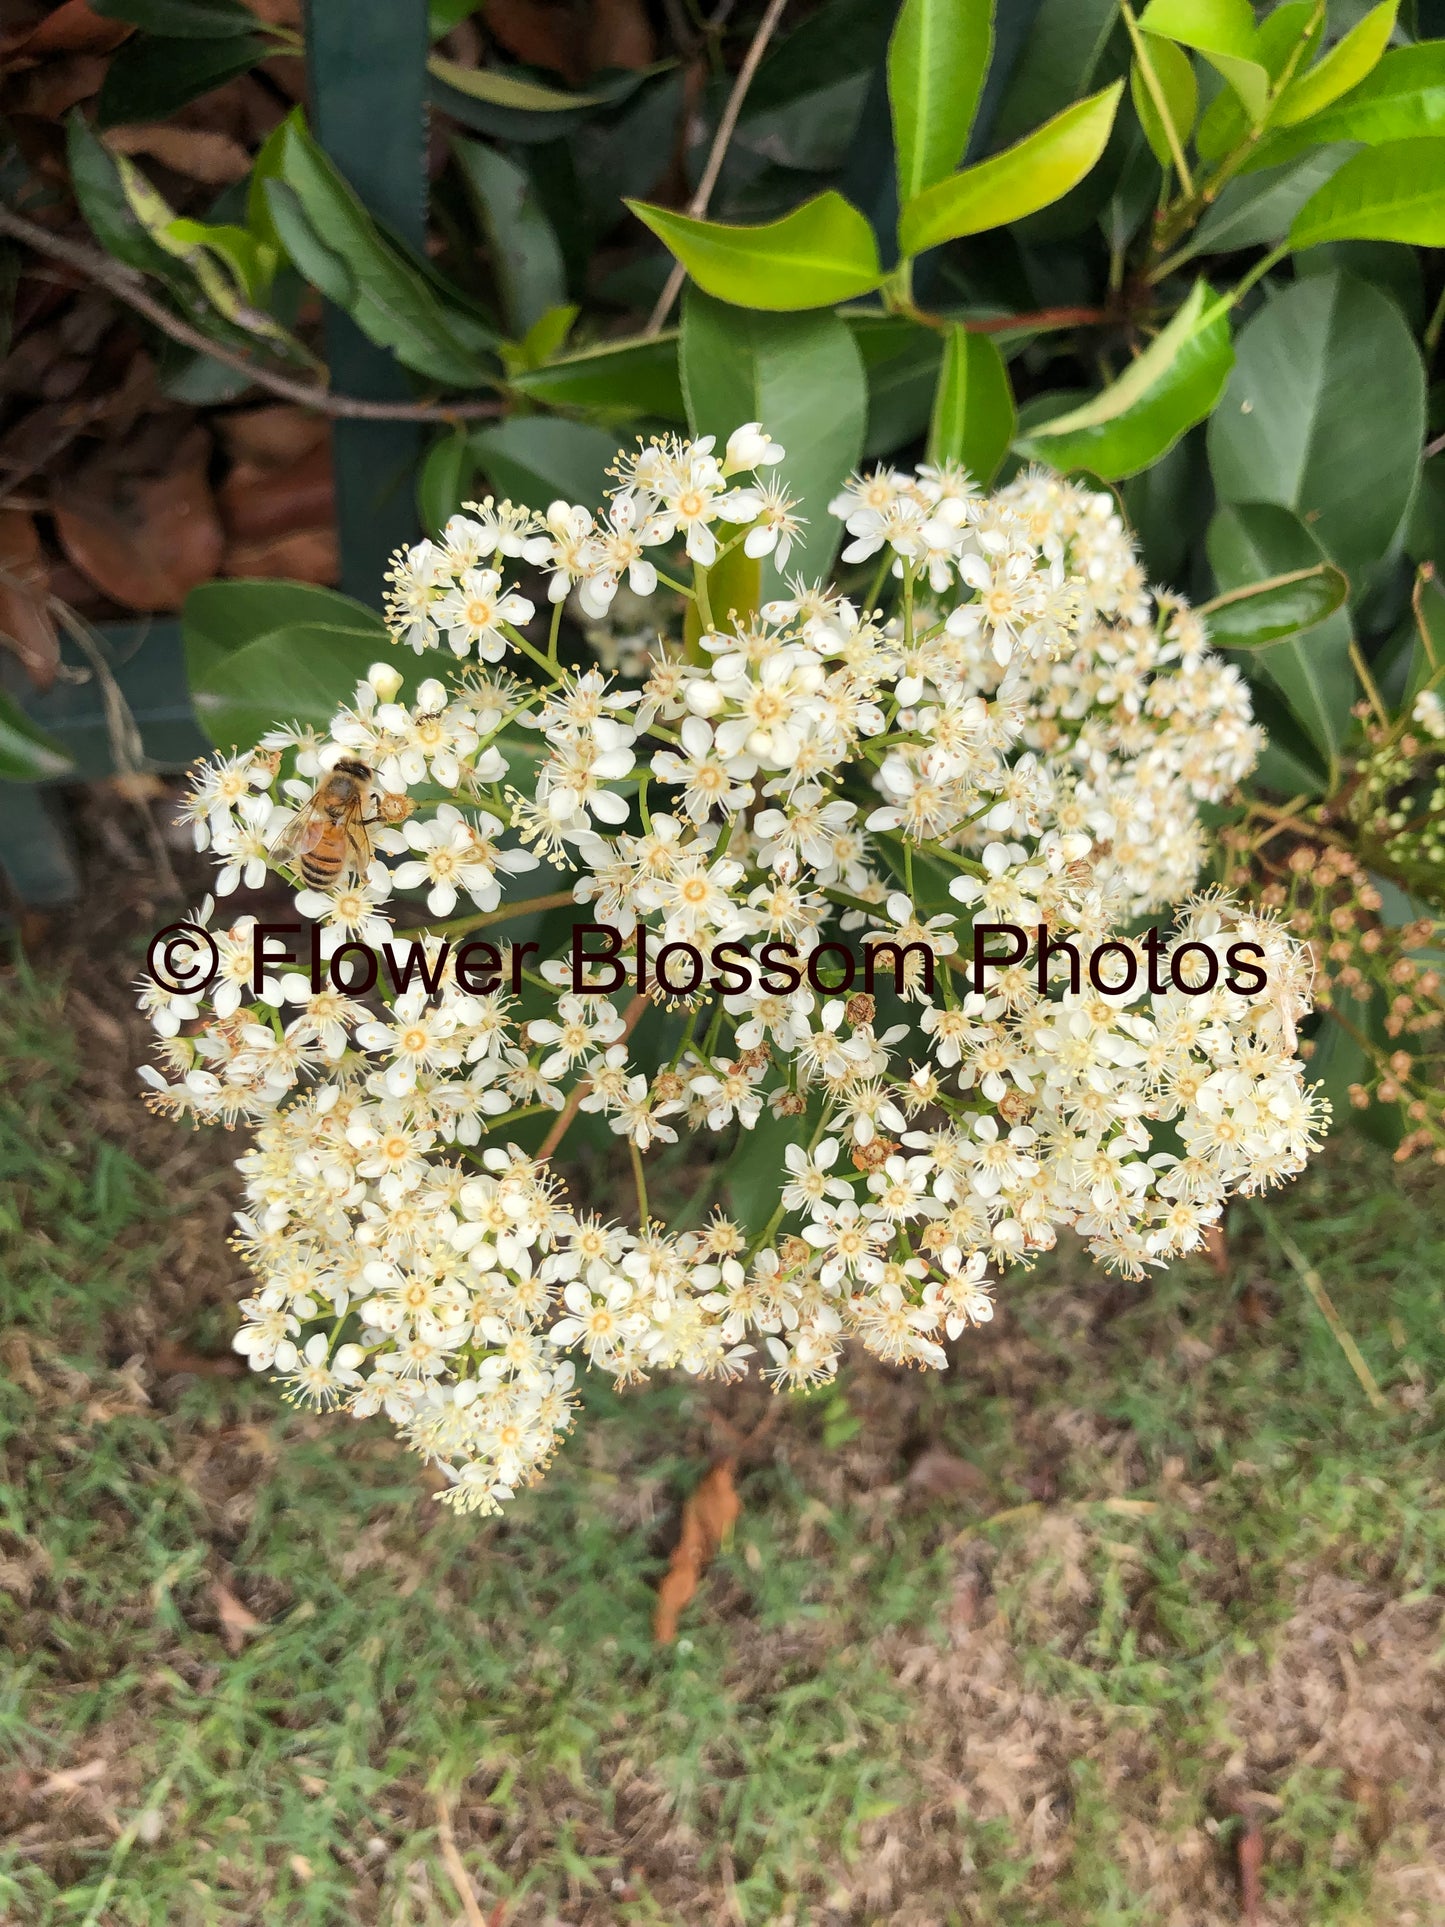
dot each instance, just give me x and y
(384, 679)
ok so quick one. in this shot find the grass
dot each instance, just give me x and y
(1170, 1577)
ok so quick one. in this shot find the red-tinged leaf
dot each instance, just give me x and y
(306, 555)
(259, 501)
(26, 627)
(619, 34)
(71, 29)
(1250, 1853)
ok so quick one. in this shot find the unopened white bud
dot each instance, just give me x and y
(384, 679)
(750, 447)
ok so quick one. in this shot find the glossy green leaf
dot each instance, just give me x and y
(937, 59)
(1251, 543)
(1039, 170)
(1057, 63)
(974, 416)
(1174, 74)
(1402, 99)
(261, 653)
(182, 19)
(617, 379)
(1325, 416)
(96, 181)
(1286, 40)
(1262, 613)
(535, 459)
(319, 264)
(392, 298)
(1394, 192)
(150, 79)
(1224, 32)
(444, 479)
(526, 259)
(27, 753)
(803, 377)
(901, 361)
(1174, 383)
(1343, 67)
(1256, 210)
(503, 89)
(821, 253)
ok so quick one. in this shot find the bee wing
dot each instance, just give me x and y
(358, 846)
(300, 834)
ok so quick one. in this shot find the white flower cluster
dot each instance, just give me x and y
(1020, 739)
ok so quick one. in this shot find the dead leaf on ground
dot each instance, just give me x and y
(1249, 1851)
(939, 1474)
(169, 1359)
(619, 34)
(261, 500)
(71, 29)
(26, 626)
(271, 436)
(540, 34)
(708, 1517)
(50, 92)
(308, 555)
(146, 540)
(1373, 1800)
(1216, 1249)
(196, 152)
(238, 1622)
(71, 1777)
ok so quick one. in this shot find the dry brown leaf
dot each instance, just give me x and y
(310, 555)
(708, 1517)
(541, 33)
(196, 152)
(169, 1359)
(238, 1622)
(71, 29)
(51, 91)
(939, 1474)
(71, 1777)
(619, 34)
(272, 436)
(258, 502)
(146, 540)
(1250, 1852)
(15, 1356)
(26, 626)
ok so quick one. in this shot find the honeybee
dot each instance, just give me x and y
(328, 840)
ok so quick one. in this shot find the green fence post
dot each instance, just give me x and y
(366, 68)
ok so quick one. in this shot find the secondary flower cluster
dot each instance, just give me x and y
(1021, 737)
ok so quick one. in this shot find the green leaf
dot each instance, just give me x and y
(1040, 169)
(259, 654)
(973, 409)
(1174, 71)
(1342, 68)
(1256, 210)
(619, 379)
(183, 19)
(1174, 383)
(1261, 613)
(1403, 99)
(101, 193)
(502, 89)
(444, 478)
(901, 360)
(821, 253)
(526, 259)
(1056, 64)
(534, 459)
(392, 299)
(937, 59)
(802, 377)
(27, 753)
(1287, 36)
(322, 266)
(1252, 542)
(150, 79)
(250, 262)
(1224, 32)
(1394, 192)
(1325, 416)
